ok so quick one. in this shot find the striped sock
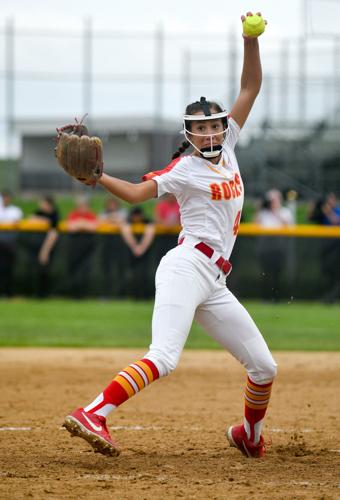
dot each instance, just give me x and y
(256, 402)
(125, 385)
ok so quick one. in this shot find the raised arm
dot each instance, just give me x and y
(251, 80)
(47, 245)
(128, 191)
(148, 237)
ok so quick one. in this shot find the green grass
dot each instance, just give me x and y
(66, 203)
(66, 323)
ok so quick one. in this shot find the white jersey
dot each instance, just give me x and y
(210, 196)
(10, 213)
(275, 218)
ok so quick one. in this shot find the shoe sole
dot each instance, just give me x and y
(77, 429)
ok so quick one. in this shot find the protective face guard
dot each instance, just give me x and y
(211, 151)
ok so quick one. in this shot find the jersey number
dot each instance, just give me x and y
(237, 223)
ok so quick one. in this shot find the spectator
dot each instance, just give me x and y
(272, 250)
(138, 280)
(82, 218)
(47, 212)
(81, 224)
(113, 212)
(272, 213)
(112, 258)
(326, 211)
(8, 243)
(167, 211)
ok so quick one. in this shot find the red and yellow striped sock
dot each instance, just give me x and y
(125, 385)
(256, 402)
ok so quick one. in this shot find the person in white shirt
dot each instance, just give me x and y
(9, 214)
(272, 213)
(272, 251)
(190, 279)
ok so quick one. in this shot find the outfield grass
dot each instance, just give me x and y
(66, 203)
(67, 323)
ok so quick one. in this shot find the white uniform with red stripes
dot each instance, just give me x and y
(189, 284)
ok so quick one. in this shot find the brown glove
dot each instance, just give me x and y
(80, 155)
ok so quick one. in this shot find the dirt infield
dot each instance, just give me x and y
(172, 434)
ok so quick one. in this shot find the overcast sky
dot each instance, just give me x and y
(285, 18)
(135, 58)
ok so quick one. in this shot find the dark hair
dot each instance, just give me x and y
(181, 149)
(192, 109)
(202, 105)
(6, 192)
(317, 216)
(136, 210)
(265, 203)
(49, 200)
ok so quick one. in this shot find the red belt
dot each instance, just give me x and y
(221, 263)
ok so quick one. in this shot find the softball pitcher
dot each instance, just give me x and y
(190, 279)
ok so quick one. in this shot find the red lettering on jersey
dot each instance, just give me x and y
(238, 185)
(232, 187)
(237, 223)
(226, 191)
(216, 193)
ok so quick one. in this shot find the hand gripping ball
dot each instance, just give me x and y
(253, 26)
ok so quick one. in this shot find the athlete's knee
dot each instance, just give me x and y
(264, 372)
(164, 361)
(270, 370)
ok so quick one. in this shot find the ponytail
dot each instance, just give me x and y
(185, 145)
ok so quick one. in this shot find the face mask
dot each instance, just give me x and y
(211, 151)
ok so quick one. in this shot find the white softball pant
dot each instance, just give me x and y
(190, 286)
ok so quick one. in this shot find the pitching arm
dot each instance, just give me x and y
(251, 81)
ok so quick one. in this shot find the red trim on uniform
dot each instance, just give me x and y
(113, 394)
(224, 265)
(152, 367)
(221, 263)
(202, 247)
(151, 175)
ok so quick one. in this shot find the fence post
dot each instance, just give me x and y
(87, 68)
(284, 81)
(302, 93)
(336, 77)
(186, 77)
(9, 175)
(159, 76)
(231, 69)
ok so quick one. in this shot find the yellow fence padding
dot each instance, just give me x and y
(302, 231)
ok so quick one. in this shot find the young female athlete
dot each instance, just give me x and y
(190, 280)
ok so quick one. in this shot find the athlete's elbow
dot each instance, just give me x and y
(142, 192)
(129, 198)
(134, 197)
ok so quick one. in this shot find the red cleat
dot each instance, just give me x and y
(93, 429)
(237, 438)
